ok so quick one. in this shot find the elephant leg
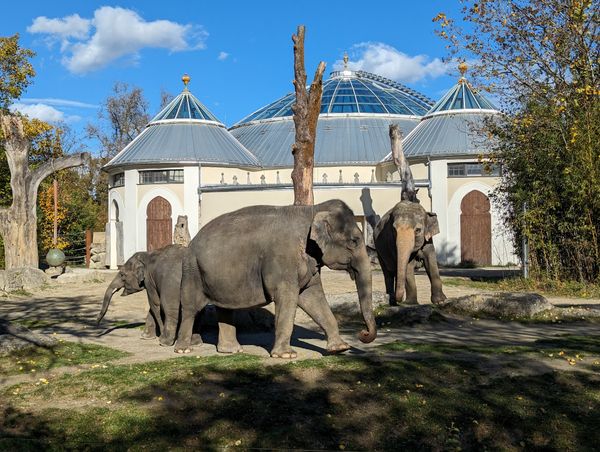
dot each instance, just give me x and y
(433, 272)
(410, 286)
(286, 302)
(390, 287)
(150, 327)
(312, 300)
(188, 315)
(171, 311)
(228, 342)
(154, 302)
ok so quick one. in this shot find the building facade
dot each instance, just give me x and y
(186, 162)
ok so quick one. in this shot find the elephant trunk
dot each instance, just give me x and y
(405, 242)
(114, 286)
(365, 296)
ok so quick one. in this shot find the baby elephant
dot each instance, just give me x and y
(159, 272)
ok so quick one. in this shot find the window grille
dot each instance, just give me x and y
(161, 177)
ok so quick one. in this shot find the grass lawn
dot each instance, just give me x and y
(545, 286)
(35, 359)
(438, 398)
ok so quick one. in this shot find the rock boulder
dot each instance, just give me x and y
(500, 305)
(24, 278)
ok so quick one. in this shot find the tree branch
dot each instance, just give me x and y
(41, 172)
(408, 184)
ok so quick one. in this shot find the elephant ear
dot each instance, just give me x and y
(433, 227)
(139, 270)
(320, 230)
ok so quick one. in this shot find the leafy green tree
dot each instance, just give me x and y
(16, 70)
(542, 59)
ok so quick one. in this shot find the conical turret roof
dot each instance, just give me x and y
(453, 126)
(184, 132)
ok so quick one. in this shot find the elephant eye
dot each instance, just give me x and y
(354, 242)
(418, 230)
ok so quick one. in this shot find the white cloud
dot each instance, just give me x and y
(387, 61)
(118, 33)
(72, 26)
(222, 56)
(57, 102)
(42, 112)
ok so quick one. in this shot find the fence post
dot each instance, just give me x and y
(88, 247)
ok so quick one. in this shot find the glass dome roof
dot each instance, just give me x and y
(185, 106)
(354, 92)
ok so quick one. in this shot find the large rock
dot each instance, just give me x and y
(15, 337)
(24, 278)
(82, 275)
(501, 304)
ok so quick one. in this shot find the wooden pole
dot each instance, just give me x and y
(306, 114)
(55, 237)
(88, 247)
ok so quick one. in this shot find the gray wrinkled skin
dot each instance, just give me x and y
(263, 254)
(159, 272)
(403, 236)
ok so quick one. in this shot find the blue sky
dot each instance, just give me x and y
(238, 53)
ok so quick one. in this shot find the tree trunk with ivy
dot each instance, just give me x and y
(306, 114)
(18, 222)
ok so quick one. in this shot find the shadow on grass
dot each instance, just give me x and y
(433, 403)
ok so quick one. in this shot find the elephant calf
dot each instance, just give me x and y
(159, 272)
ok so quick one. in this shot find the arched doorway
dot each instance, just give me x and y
(159, 228)
(476, 229)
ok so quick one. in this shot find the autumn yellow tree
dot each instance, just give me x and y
(18, 217)
(542, 60)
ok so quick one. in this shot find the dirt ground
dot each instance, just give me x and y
(68, 312)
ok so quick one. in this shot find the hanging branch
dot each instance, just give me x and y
(409, 191)
(306, 114)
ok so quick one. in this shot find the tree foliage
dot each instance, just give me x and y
(542, 58)
(122, 117)
(16, 71)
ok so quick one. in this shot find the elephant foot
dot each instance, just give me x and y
(410, 301)
(147, 336)
(438, 299)
(287, 354)
(166, 341)
(196, 339)
(338, 346)
(182, 348)
(229, 347)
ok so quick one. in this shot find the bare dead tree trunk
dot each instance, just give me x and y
(409, 191)
(306, 114)
(18, 223)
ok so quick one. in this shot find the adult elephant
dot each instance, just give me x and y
(159, 272)
(403, 236)
(263, 254)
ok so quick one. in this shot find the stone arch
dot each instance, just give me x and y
(159, 225)
(475, 229)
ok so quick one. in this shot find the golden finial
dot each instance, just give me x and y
(345, 61)
(185, 79)
(462, 67)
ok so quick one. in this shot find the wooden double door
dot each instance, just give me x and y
(159, 227)
(476, 229)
